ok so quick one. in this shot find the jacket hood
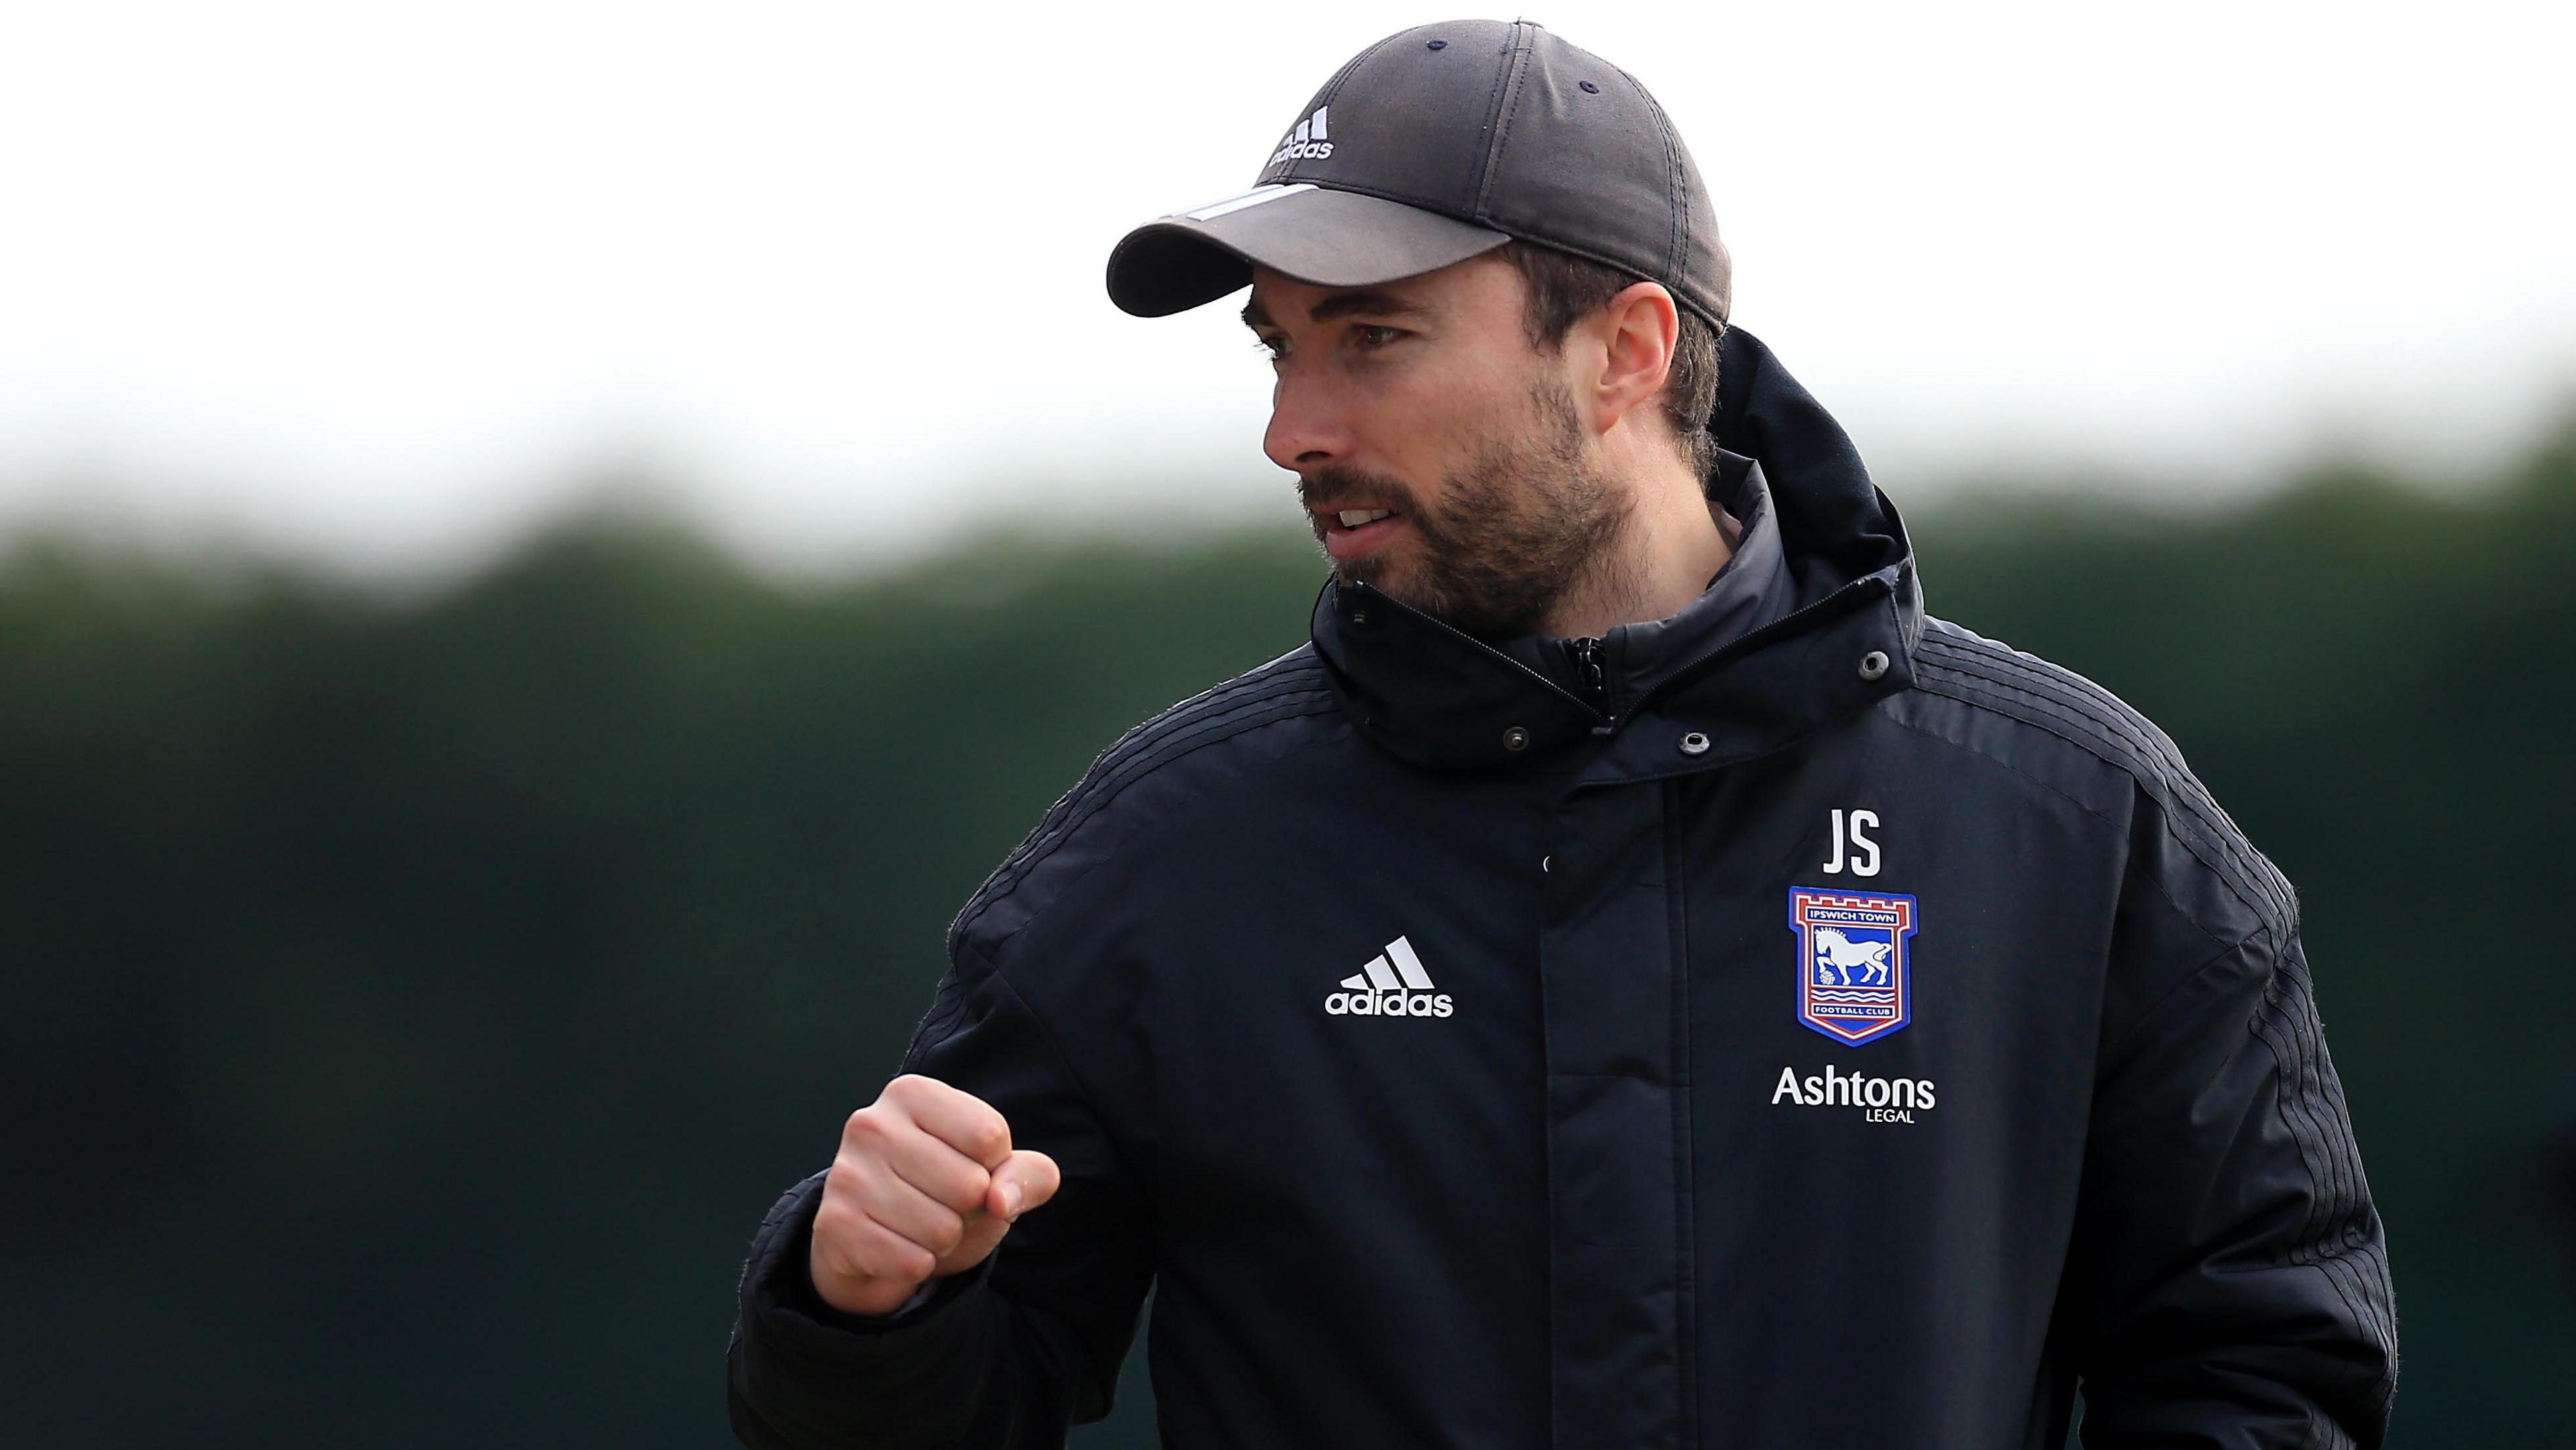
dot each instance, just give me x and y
(1837, 527)
(1741, 681)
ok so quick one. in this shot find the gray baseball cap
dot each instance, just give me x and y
(1436, 144)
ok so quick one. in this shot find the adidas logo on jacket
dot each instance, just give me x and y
(1375, 991)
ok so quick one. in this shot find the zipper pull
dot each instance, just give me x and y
(1587, 658)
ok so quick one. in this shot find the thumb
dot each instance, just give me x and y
(1025, 1180)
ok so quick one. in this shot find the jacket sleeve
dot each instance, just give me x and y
(2229, 1272)
(1007, 1354)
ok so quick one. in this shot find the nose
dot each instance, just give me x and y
(1306, 428)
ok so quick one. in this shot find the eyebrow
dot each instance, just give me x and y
(1343, 304)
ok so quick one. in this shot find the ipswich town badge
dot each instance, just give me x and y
(1853, 983)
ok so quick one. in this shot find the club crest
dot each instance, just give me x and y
(1853, 984)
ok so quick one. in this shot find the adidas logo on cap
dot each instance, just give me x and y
(1306, 143)
(1402, 989)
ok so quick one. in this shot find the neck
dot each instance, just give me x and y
(1661, 559)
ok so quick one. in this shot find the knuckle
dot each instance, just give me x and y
(866, 1261)
(882, 1254)
(857, 1201)
(865, 1124)
(842, 1226)
(843, 1184)
(843, 1260)
(831, 1219)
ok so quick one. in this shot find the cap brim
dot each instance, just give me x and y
(1313, 233)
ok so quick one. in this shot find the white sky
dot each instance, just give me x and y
(384, 282)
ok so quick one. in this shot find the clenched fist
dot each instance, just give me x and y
(925, 1184)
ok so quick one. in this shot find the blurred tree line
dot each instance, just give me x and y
(412, 1003)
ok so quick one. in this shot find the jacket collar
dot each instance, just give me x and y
(1782, 642)
(1750, 591)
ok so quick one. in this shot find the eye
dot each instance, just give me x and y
(1273, 348)
(1376, 334)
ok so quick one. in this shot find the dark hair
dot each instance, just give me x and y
(1561, 289)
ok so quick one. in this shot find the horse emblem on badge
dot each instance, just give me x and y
(1853, 982)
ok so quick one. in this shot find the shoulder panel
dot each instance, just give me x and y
(1961, 665)
(1291, 686)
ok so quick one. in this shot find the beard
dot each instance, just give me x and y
(1525, 523)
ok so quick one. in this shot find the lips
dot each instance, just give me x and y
(1351, 532)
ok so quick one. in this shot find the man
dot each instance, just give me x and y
(1632, 978)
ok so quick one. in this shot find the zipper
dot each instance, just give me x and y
(1587, 658)
(1603, 722)
(1593, 677)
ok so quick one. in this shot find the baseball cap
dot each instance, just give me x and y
(1434, 145)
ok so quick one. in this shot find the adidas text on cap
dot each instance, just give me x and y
(1437, 144)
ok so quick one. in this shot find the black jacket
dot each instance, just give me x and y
(1652, 1131)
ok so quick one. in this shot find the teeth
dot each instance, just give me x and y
(1353, 518)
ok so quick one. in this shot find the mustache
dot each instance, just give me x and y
(1356, 488)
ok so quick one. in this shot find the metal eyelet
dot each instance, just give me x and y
(1694, 744)
(1516, 738)
(1873, 664)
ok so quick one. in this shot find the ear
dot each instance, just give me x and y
(1640, 330)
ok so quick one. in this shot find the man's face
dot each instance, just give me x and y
(1422, 400)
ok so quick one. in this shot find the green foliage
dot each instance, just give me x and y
(416, 1002)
